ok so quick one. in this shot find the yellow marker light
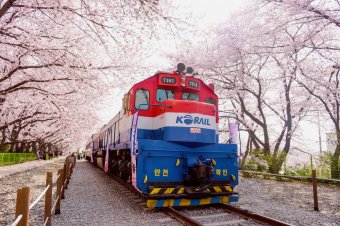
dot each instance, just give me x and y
(233, 177)
(213, 162)
(145, 179)
(178, 162)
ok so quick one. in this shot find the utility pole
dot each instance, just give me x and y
(320, 146)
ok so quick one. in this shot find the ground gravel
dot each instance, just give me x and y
(30, 175)
(291, 202)
(94, 198)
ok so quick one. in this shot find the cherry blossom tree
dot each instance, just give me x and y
(257, 60)
(60, 58)
(318, 71)
(317, 34)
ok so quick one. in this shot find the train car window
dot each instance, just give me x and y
(142, 99)
(163, 94)
(190, 96)
(210, 101)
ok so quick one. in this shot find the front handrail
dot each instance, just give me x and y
(153, 105)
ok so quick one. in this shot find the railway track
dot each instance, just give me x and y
(221, 214)
(229, 216)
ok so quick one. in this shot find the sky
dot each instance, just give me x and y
(205, 13)
(209, 11)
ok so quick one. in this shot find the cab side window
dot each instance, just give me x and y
(163, 94)
(210, 101)
(190, 96)
(142, 99)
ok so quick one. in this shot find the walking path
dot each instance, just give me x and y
(94, 198)
(31, 175)
(22, 167)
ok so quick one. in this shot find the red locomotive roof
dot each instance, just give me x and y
(181, 87)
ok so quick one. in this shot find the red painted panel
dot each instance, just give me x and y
(152, 83)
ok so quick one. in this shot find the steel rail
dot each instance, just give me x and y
(183, 218)
(126, 184)
(252, 216)
(168, 210)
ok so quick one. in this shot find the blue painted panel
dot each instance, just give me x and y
(157, 160)
(233, 198)
(183, 134)
(157, 134)
(179, 134)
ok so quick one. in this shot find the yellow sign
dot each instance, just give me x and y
(157, 172)
(218, 172)
(165, 172)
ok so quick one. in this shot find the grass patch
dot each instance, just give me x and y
(15, 158)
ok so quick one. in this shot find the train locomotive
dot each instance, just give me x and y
(164, 142)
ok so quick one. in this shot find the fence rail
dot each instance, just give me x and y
(23, 206)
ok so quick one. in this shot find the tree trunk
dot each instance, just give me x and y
(11, 148)
(248, 149)
(335, 170)
(34, 147)
(3, 139)
(277, 163)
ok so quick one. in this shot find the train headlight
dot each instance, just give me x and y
(180, 68)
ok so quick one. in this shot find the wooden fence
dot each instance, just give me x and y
(23, 206)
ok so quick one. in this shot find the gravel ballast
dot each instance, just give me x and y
(95, 198)
(291, 202)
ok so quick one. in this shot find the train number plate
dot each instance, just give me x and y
(195, 130)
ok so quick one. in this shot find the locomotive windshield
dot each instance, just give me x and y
(190, 96)
(142, 99)
(163, 94)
